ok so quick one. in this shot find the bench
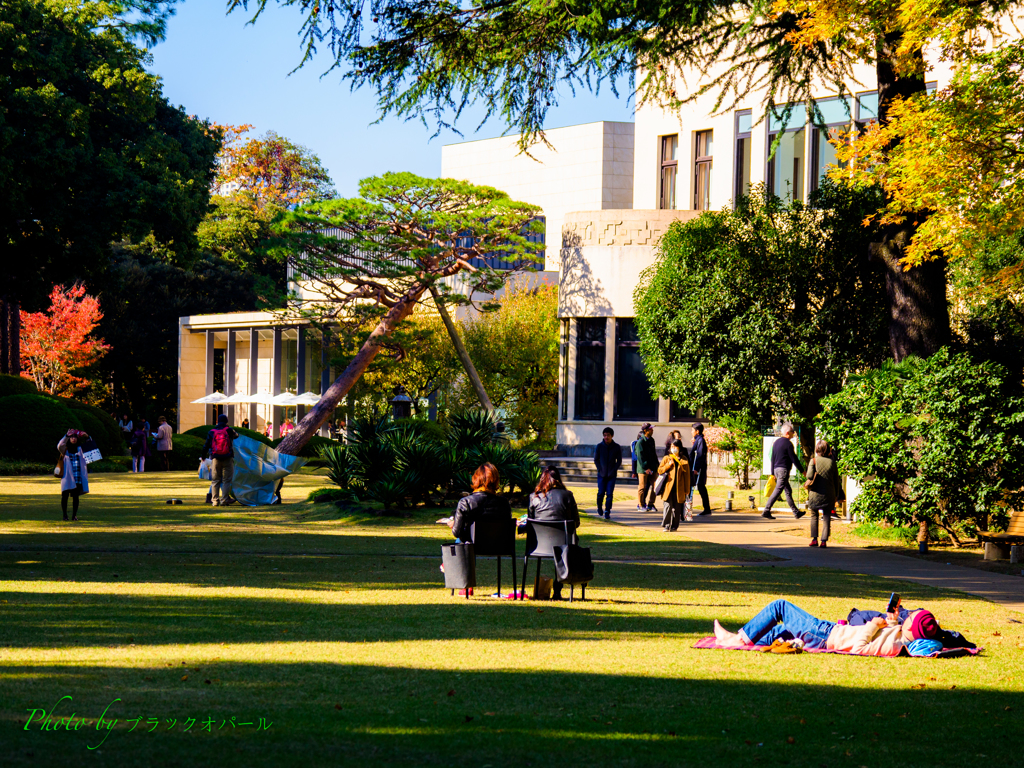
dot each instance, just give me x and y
(999, 546)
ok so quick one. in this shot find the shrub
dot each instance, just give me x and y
(16, 385)
(324, 495)
(310, 450)
(187, 451)
(420, 428)
(470, 429)
(203, 431)
(32, 425)
(936, 441)
(107, 465)
(339, 470)
(104, 430)
(14, 467)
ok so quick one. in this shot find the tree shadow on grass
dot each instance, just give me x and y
(353, 714)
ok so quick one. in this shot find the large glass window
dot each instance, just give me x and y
(744, 123)
(836, 114)
(590, 351)
(702, 171)
(669, 168)
(633, 400)
(565, 369)
(677, 412)
(787, 168)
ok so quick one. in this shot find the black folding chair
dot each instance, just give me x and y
(542, 536)
(495, 536)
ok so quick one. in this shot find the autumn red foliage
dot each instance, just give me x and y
(56, 343)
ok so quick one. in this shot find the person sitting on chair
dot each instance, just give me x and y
(483, 500)
(551, 500)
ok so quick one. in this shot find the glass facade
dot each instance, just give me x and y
(590, 369)
(633, 401)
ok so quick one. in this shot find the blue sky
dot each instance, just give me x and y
(218, 67)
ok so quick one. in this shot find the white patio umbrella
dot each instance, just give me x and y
(306, 398)
(215, 399)
(240, 398)
(285, 398)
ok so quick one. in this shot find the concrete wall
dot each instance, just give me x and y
(587, 166)
(191, 378)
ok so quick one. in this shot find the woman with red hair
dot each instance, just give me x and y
(483, 500)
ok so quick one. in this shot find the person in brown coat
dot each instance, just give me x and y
(677, 488)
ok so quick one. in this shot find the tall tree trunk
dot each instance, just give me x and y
(322, 411)
(10, 335)
(918, 311)
(460, 350)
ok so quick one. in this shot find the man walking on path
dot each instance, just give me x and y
(219, 447)
(783, 459)
(164, 443)
(646, 468)
(699, 468)
(607, 459)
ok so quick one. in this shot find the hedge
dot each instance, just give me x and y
(203, 431)
(186, 452)
(102, 428)
(16, 385)
(32, 425)
(310, 450)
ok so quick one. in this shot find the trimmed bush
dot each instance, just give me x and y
(186, 452)
(13, 468)
(16, 385)
(32, 425)
(107, 465)
(325, 495)
(310, 450)
(102, 428)
(203, 431)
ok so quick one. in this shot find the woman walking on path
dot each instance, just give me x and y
(140, 449)
(677, 488)
(823, 486)
(74, 479)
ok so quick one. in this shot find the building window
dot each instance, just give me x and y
(565, 369)
(836, 114)
(633, 400)
(702, 171)
(744, 124)
(590, 373)
(669, 163)
(786, 169)
(677, 412)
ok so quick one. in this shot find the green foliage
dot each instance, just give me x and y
(17, 467)
(107, 465)
(339, 468)
(515, 351)
(99, 425)
(469, 429)
(310, 450)
(412, 429)
(33, 425)
(326, 495)
(90, 150)
(743, 440)
(203, 431)
(188, 450)
(772, 305)
(938, 440)
(16, 385)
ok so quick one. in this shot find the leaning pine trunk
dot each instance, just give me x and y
(322, 411)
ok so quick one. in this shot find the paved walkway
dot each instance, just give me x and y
(751, 531)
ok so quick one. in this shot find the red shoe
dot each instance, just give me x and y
(462, 592)
(824, 545)
(814, 543)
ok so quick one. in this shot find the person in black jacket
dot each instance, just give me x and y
(783, 459)
(646, 466)
(484, 500)
(607, 459)
(699, 467)
(551, 500)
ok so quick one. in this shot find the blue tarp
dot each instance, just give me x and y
(259, 469)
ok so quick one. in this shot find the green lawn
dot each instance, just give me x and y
(336, 630)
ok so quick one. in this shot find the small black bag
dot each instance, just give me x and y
(459, 566)
(573, 564)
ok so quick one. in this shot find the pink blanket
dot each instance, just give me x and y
(709, 642)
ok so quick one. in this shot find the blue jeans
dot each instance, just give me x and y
(605, 485)
(765, 628)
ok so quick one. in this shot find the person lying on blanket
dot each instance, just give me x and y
(880, 636)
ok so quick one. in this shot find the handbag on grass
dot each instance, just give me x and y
(660, 483)
(459, 566)
(573, 564)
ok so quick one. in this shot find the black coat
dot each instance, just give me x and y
(473, 507)
(556, 504)
(608, 459)
(699, 454)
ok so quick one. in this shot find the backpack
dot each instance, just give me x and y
(632, 453)
(221, 445)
